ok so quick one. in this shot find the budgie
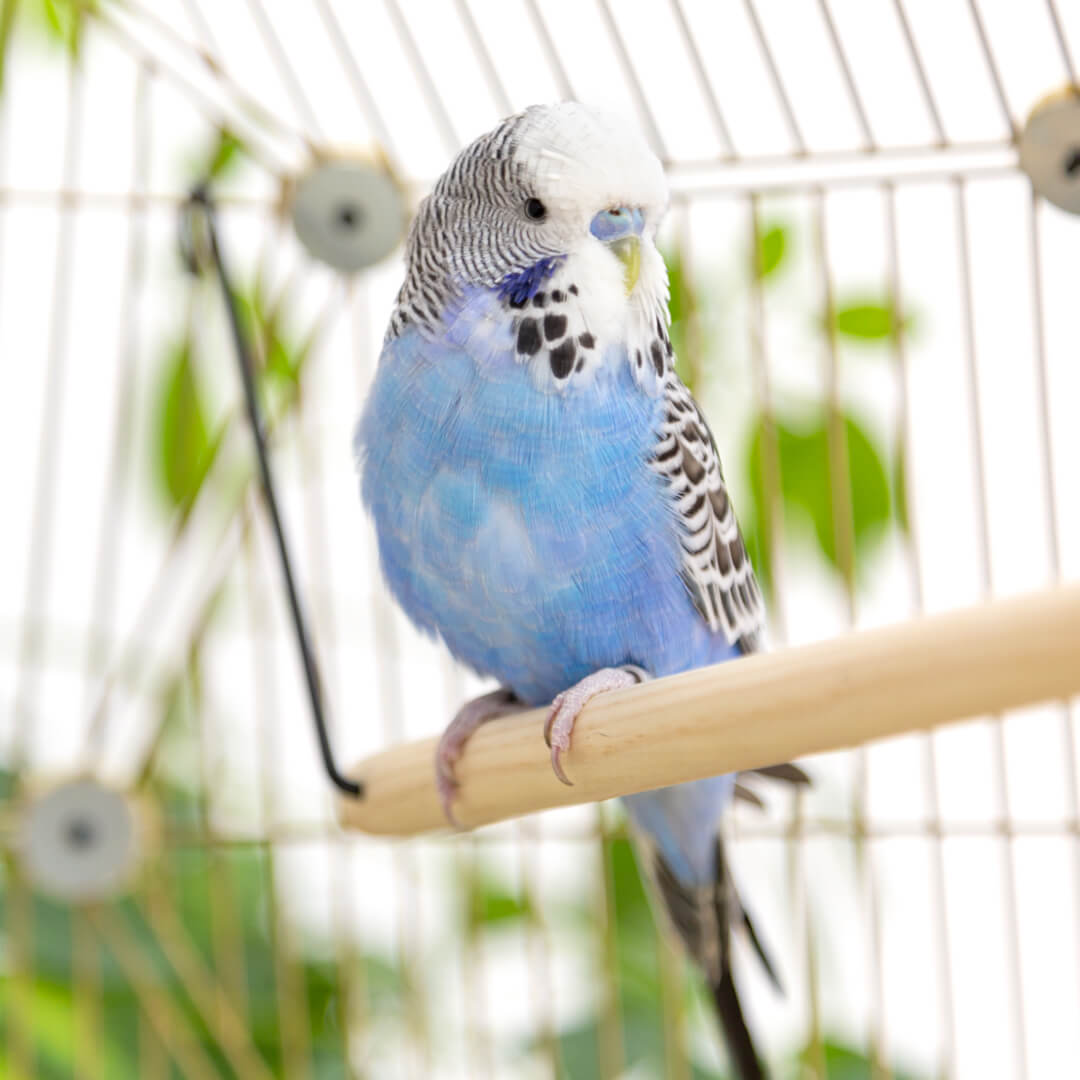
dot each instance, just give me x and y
(546, 494)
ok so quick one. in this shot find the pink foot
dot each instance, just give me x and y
(567, 706)
(452, 744)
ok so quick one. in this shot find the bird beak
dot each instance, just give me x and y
(628, 252)
(620, 228)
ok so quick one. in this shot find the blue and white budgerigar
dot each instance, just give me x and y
(546, 493)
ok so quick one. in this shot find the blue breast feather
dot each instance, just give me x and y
(523, 526)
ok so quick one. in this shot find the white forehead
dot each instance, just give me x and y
(589, 159)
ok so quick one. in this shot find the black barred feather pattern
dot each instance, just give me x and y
(469, 229)
(716, 568)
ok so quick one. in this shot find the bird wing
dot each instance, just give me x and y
(716, 568)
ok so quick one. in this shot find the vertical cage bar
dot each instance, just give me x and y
(324, 617)
(538, 942)
(226, 934)
(87, 990)
(611, 1058)
(1008, 882)
(1053, 531)
(673, 1008)
(841, 499)
(39, 562)
(947, 1060)
(121, 456)
(295, 1036)
(390, 676)
(470, 871)
(772, 527)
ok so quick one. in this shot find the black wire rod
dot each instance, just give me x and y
(204, 241)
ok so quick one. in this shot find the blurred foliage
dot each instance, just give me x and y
(7, 25)
(798, 442)
(227, 889)
(185, 440)
(772, 249)
(807, 457)
(846, 1063)
(638, 984)
(185, 447)
(867, 320)
(61, 20)
(279, 359)
(488, 904)
(56, 22)
(637, 978)
(219, 159)
(683, 307)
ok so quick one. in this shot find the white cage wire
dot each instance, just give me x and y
(923, 898)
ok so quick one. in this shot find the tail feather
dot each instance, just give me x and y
(787, 772)
(740, 1043)
(762, 952)
(703, 916)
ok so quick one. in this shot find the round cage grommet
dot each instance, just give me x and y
(1050, 149)
(79, 841)
(348, 212)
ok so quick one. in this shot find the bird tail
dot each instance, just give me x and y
(703, 917)
(740, 1042)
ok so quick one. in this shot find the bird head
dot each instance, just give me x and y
(559, 193)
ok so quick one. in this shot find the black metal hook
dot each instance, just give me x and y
(200, 205)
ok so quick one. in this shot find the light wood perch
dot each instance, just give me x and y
(753, 712)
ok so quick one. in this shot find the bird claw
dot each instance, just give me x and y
(446, 783)
(567, 706)
(556, 765)
(451, 746)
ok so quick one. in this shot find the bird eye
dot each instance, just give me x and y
(535, 209)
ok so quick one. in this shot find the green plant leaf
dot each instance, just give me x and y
(59, 21)
(185, 447)
(683, 307)
(7, 23)
(868, 320)
(804, 460)
(868, 486)
(772, 249)
(843, 1062)
(490, 905)
(225, 155)
(217, 159)
(280, 360)
(643, 1047)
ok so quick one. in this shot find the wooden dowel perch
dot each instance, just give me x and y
(744, 714)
